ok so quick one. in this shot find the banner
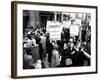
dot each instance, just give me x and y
(54, 28)
(78, 21)
(74, 30)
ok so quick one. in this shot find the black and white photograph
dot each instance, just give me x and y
(53, 39)
(56, 39)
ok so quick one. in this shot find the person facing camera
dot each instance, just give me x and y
(56, 58)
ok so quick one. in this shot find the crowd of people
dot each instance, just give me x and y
(67, 52)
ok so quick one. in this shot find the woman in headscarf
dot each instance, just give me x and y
(56, 58)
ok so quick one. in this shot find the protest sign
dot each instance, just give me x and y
(54, 28)
(74, 30)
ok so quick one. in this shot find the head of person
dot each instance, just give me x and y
(33, 34)
(71, 44)
(53, 42)
(38, 32)
(39, 61)
(65, 46)
(72, 21)
(84, 44)
(55, 45)
(38, 40)
(25, 38)
(71, 40)
(41, 34)
(29, 36)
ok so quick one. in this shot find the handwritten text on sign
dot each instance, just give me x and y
(54, 28)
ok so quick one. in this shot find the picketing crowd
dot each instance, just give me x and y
(68, 52)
